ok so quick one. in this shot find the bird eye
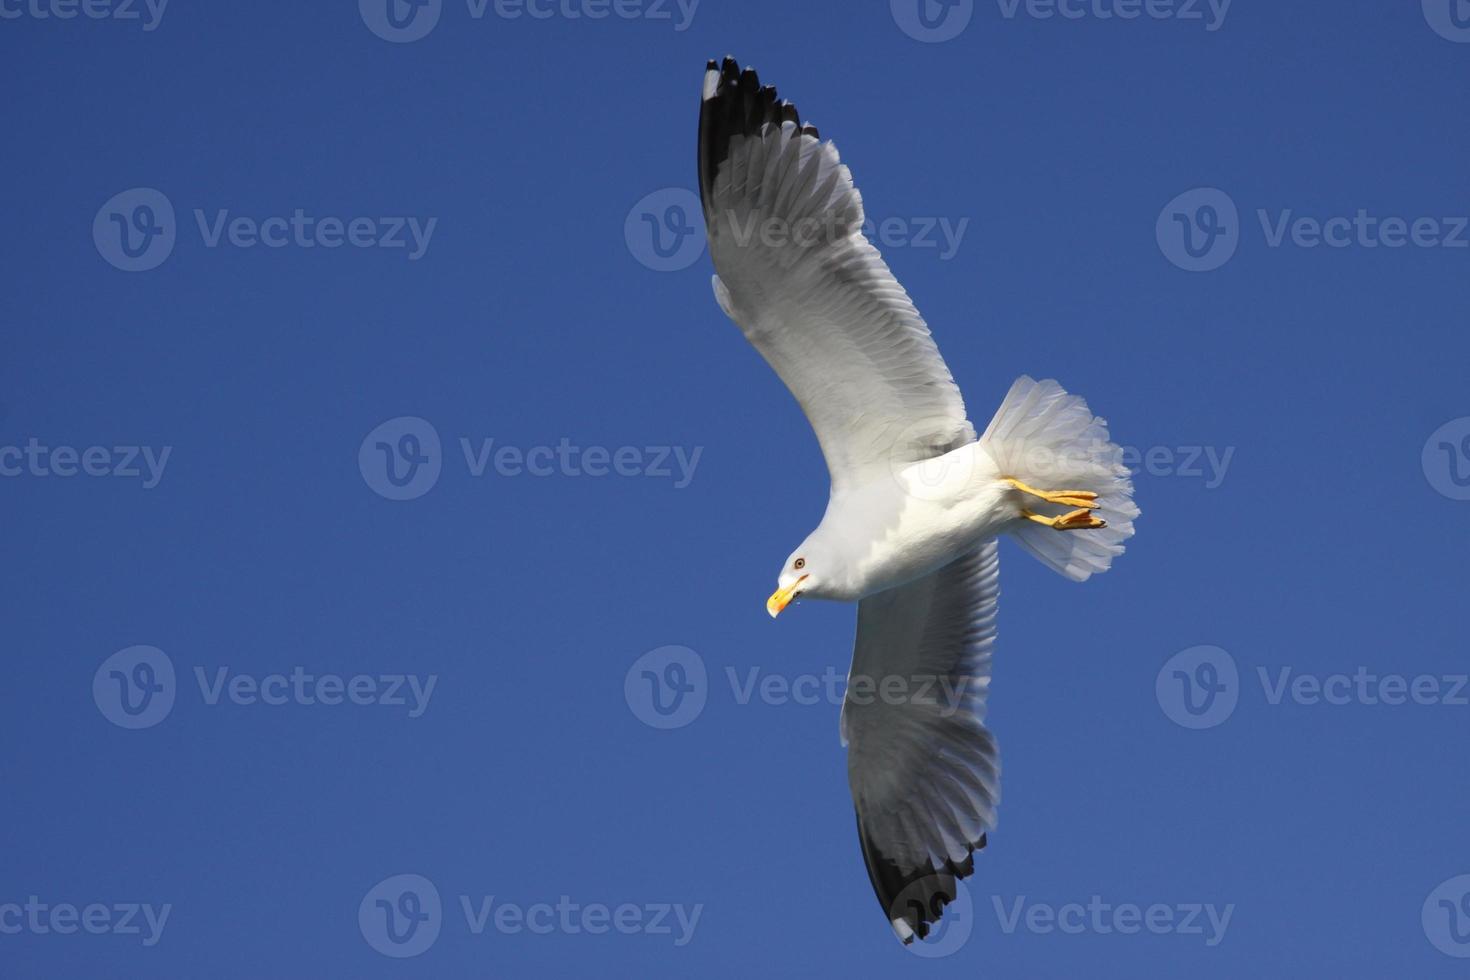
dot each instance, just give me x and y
(800, 564)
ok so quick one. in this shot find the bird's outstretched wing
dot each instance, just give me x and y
(923, 769)
(810, 292)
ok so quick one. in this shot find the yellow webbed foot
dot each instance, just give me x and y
(1080, 519)
(1084, 499)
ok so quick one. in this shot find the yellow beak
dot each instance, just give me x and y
(781, 598)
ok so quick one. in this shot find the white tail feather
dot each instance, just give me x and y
(1049, 439)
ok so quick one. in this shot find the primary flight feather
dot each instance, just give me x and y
(917, 501)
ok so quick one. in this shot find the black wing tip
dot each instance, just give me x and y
(727, 75)
(917, 899)
(735, 103)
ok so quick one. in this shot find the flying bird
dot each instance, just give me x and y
(917, 502)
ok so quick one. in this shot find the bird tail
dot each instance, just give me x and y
(1049, 439)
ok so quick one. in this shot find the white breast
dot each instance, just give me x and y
(927, 515)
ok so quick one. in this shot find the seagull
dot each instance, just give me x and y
(917, 502)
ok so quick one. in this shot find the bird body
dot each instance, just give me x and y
(917, 501)
(929, 512)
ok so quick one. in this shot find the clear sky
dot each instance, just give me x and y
(366, 420)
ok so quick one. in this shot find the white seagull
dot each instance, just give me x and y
(917, 502)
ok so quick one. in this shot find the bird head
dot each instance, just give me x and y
(801, 575)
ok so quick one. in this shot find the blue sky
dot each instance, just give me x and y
(255, 253)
